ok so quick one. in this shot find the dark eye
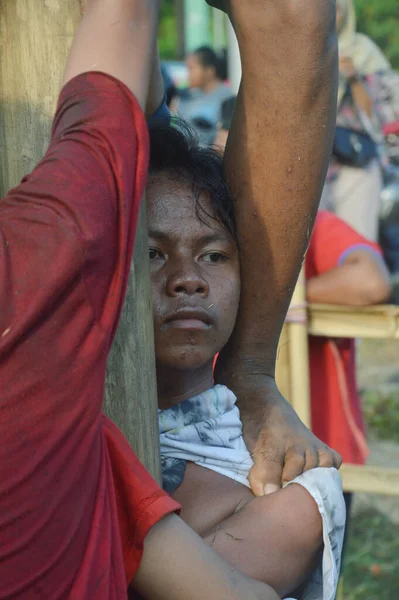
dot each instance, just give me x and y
(154, 254)
(214, 257)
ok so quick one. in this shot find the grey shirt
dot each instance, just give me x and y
(197, 105)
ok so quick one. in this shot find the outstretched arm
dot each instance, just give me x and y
(276, 160)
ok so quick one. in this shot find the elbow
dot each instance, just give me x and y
(377, 290)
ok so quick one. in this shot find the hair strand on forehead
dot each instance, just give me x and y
(176, 152)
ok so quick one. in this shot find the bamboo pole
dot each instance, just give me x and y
(298, 348)
(34, 42)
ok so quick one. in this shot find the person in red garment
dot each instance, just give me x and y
(75, 503)
(79, 515)
(342, 267)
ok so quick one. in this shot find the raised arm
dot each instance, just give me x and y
(125, 47)
(276, 160)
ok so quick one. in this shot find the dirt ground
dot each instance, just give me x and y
(378, 371)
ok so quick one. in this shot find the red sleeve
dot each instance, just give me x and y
(140, 501)
(332, 240)
(62, 221)
(66, 239)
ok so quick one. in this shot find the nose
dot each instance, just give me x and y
(186, 280)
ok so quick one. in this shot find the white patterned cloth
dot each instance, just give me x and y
(207, 431)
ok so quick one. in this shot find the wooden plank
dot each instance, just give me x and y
(34, 44)
(298, 347)
(354, 322)
(370, 480)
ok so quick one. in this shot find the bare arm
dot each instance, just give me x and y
(283, 127)
(178, 564)
(125, 47)
(276, 160)
(361, 280)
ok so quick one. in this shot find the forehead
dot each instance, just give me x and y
(171, 210)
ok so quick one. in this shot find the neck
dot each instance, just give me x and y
(211, 85)
(176, 385)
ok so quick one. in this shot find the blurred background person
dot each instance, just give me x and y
(354, 181)
(201, 103)
(341, 267)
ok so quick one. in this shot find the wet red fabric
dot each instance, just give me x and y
(66, 240)
(336, 406)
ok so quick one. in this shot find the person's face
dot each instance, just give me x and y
(197, 74)
(195, 277)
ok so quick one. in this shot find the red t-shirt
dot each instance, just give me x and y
(336, 406)
(66, 240)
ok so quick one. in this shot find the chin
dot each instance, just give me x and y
(185, 359)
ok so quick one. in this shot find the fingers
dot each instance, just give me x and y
(295, 462)
(270, 470)
(265, 476)
(329, 458)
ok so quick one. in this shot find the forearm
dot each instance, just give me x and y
(178, 564)
(276, 160)
(275, 539)
(348, 285)
(117, 37)
(362, 97)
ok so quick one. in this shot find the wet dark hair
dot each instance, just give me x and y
(208, 58)
(176, 152)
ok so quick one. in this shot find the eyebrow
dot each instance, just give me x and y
(216, 236)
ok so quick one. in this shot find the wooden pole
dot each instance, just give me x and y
(35, 37)
(292, 369)
(299, 353)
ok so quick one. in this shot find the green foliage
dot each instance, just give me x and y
(371, 565)
(381, 412)
(377, 18)
(168, 30)
(380, 20)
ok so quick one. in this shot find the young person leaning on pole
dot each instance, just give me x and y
(196, 288)
(66, 240)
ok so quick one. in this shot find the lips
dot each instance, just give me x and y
(190, 318)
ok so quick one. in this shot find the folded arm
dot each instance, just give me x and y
(177, 564)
